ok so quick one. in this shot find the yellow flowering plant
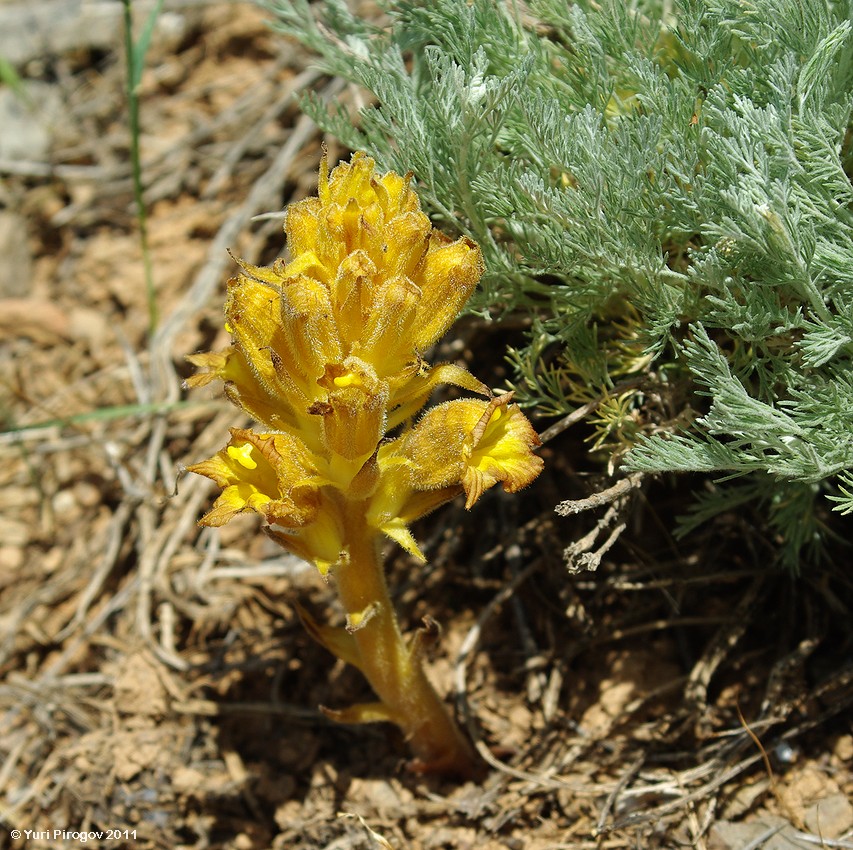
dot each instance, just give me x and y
(326, 355)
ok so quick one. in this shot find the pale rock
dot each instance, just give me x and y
(844, 748)
(378, 793)
(89, 326)
(87, 494)
(770, 833)
(17, 266)
(32, 30)
(138, 689)
(65, 505)
(11, 559)
(831, 817)
(34, 318)
(14, 532)
(28, 121)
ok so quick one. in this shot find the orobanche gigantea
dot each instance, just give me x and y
(326, 355)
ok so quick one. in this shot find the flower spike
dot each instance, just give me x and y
(327, 356)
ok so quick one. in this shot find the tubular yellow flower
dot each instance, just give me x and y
(473, 443)
(242, 387)
(392, 313)
(447, 276)
(286, 333)
(396, 502)
(411, 390)
(271, 474)
(353, 416)
(320, 542)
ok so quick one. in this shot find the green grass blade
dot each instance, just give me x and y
(140, 47)
(103, 414)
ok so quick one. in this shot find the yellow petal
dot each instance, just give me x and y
(327, 350)
(253, 310)
(214, 361)
(302, 228)
(273, 275)
(501, 450)
(309, 332)
(405, 240)
(322, 541)
(385, 339)
(421, 503)
(218, 469)
(433, 448)
(244, 390)
(233, 500)
(447, 276)
(352, 293)
(308, 264)
(409, 393)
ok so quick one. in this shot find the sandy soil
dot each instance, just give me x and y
(155, 678)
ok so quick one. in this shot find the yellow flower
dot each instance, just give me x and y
(396, 503)
(271, 474)
(286, 332)
(473, 443)
(245, 389)
(460, 445)
(369, 281)
(327, 350)
(322, 542)
(395, 284)
(353, 417)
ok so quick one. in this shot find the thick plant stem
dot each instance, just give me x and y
(392, 667)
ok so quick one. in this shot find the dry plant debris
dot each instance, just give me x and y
(154, 677)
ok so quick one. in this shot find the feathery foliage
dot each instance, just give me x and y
(665, 190)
